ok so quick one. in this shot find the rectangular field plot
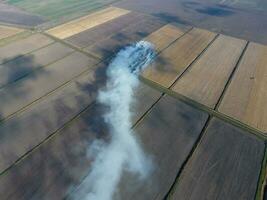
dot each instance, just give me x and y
(167, 135)
(21, 66)
(176, 58)
(12, 15)
(23, 46)
(124, 37)
(51, 170)
(245, 99)
(206, 78)
(6, 31)
(166, 35)
(225, 165)
(105, 30)
(27, 129)
(16, 96)
(76, 26)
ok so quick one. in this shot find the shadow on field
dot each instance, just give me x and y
(15, 73)
(14, 69)
(168, 18)
(214, 10)
(52, 169)
(17, 68)
(61, 162)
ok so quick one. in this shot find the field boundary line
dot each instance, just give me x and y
(206, 109)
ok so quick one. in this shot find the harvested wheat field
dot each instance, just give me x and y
(106, 100)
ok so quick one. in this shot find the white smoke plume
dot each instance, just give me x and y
(123, 151)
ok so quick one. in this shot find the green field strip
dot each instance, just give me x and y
(48, 5)
(57, 6)
(263, 177)
(57, 10)
(65, 19)
(208, 110)
(80, 8)
(69, 7)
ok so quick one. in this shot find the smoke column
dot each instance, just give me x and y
(123, 151)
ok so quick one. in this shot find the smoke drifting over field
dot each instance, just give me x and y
(123, 151)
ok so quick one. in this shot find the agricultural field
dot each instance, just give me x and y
(198, 110)
(60, 10)
(237, 18)
(256, 5)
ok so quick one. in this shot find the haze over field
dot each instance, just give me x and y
(122, 152)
